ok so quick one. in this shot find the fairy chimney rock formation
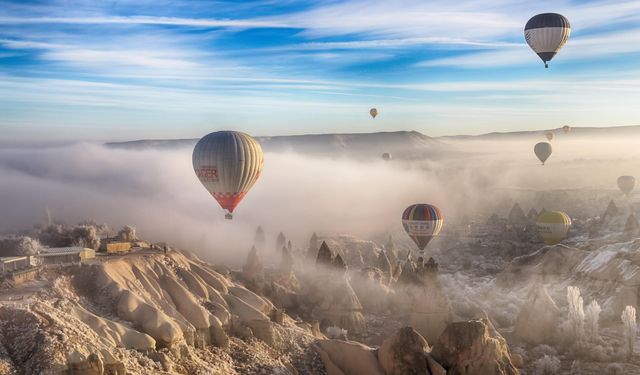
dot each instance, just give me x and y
(313, 245)
(532, 215)
(253, 268)
(259, 237)
(631, 226)
(538, 318)
(325, 256)
(516, 215)
(611, 211)
(286, 261)
(280, 241)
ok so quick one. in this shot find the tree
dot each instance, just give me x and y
(592, 317)
(127, 233)
(629, 325)
(19, 246)
(576, 311)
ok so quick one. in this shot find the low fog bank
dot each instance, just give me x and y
(156, 190)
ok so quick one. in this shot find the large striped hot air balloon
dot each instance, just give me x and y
(546, 34)
(422, 222)
(228, 163)
(553, 226)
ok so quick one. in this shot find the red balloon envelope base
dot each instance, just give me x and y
(229, 201)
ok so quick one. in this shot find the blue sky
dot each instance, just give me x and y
(110, 70)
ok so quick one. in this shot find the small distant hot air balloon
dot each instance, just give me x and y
(228, 163)
(566, 129)
(386, 156)
(549, 136)
(543, 151)
(626, 184)
(373, 112)
(546, 34)
(422, 222)
(553, 226)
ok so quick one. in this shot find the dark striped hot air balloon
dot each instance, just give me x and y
(546, 33)
(228, 163)
(422, 222)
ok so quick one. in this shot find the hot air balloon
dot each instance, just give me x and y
(543, 151)
(553, 226)
(549, 136)
(422, 222)
(373, 112)
(228, 163)
(566, 129)
(626, 184)
(386, 156)
(546, 33)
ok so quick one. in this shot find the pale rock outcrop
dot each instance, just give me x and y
(371, 290)
(116, 334)
(340, 306)
(384, 265)
(336, 304)
(392, 250)
(261, 304)
(348, 358)
(538, 318)
(208, 327)
(404, 353)
(248, 315)
(217, 281)
(468, 348)
(430, 309)
(151, 320)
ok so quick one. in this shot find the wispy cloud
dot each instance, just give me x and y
(597, 47)
(147, 20)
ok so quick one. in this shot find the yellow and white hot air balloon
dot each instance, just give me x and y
(228, 163)
(553, 226)
(373, 112)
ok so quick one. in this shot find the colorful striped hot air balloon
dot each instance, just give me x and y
(546, 34)
(228, 163)
(553, 226)
(422, 222)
